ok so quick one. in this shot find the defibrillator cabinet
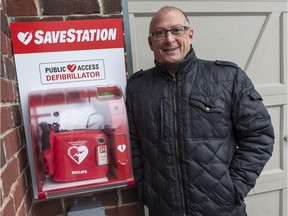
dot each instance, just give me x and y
(80, 139)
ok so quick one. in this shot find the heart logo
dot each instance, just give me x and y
(71, 67)
(78, 154)
(25, 38)
(121, 148)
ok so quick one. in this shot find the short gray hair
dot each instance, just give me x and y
(169, 8)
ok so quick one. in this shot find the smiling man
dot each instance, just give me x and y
(170, 36)
(200, 134)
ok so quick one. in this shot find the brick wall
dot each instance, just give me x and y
(15, 182)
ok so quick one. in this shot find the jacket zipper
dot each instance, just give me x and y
(177, 151)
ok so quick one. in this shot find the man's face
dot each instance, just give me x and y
(169, 49)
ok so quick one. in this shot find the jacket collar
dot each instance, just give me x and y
(186, 63)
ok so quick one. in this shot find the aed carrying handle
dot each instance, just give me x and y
(45, 135)
(47, 146)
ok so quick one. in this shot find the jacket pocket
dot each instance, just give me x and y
(254, 95)
(209, 117)
(207, 104)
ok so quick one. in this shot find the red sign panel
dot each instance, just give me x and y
(53, 36)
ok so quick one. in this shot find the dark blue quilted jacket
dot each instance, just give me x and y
(200, 140)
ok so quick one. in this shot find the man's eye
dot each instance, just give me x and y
(161, 32)
(176, 30)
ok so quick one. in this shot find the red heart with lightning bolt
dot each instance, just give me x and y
(71, 67)
(78, 153)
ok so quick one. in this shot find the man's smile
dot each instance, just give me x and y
(170, 49)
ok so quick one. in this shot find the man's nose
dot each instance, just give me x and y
(169, 36)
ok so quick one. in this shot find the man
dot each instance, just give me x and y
(200, 134)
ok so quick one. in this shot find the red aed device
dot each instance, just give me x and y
(80, 135)
(74, 155)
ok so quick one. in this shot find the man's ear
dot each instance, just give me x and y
(150, 42)
(190, 34)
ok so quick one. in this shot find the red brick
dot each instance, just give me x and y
(2, 155)
(128, 210)
(16, 115)
(9, 175)
(3, 7)
(10, 68)
(4, 22)
(28, 201)
(2, 71)
(129, 195)
(4, 43)
(7, 90)
(6, 118)
(20, 8)
(21, 211)
(22, 138)
(108, 198)
(10, 49)
(16, 92)
(64, 7)
(111, 211)
(8, 208)
(57, 7)
(54, 206)
(86, 7)
(11, 143)
(19, 192)
(112, 6)
(22, 160)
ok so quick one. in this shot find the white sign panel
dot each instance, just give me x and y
(63, 54)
